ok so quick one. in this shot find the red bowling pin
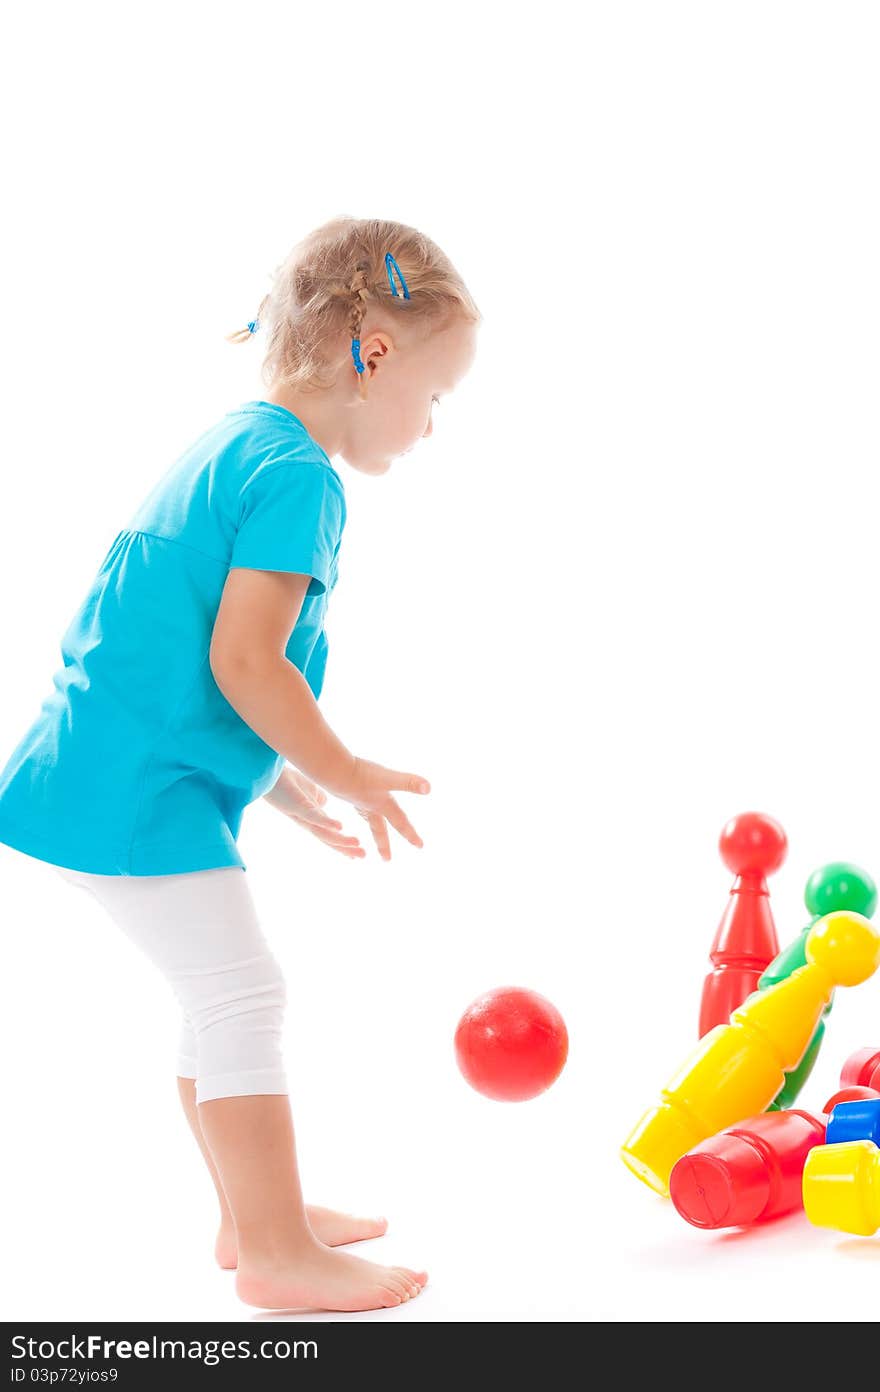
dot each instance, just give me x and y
(747, 1173)
(853, 1093)
(862, 1069)
(752, 846)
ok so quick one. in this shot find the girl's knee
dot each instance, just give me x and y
(238, 991)
(240, 1033)
(273, 987)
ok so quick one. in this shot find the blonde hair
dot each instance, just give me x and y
(323, 288)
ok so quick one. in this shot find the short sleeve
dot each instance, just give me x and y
(291, 518)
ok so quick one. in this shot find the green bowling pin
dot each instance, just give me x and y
(838, 885)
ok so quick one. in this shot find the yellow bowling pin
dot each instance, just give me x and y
(841, 1187)
(738, 1068)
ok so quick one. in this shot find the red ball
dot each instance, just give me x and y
(511, 1044)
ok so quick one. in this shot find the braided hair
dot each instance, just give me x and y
(359, 291)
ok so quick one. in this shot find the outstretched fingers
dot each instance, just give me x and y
(401, 823)
(377, 826)
(316, 816)
(349, 845)
(407, 782)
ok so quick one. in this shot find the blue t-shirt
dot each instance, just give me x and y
(137, 764)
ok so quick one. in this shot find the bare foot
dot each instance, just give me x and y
(332, 1228)
(321, 1279)
(335, 1229)
(226, 1246)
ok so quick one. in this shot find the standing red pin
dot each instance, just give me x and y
(752, 846)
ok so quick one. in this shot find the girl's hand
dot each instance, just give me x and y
(302, 800)
(369, 793)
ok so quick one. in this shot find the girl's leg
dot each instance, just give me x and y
(281, 1265)
(225, 1245)
(329, 1226)
(201, 931)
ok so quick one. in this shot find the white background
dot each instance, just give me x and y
(628, 589)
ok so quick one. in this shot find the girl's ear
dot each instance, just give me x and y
(377, 347)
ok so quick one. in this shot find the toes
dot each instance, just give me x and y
(411, 1280)
(398, 1283)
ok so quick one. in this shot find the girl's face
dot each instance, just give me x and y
(404, 381)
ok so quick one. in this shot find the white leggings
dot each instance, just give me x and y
(201, 930)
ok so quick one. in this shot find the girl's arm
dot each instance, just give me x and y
(256, 616)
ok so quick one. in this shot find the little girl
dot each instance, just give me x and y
(189, 688)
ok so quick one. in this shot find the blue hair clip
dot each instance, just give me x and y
(389, 262)
(355, 342)
(254, 325)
